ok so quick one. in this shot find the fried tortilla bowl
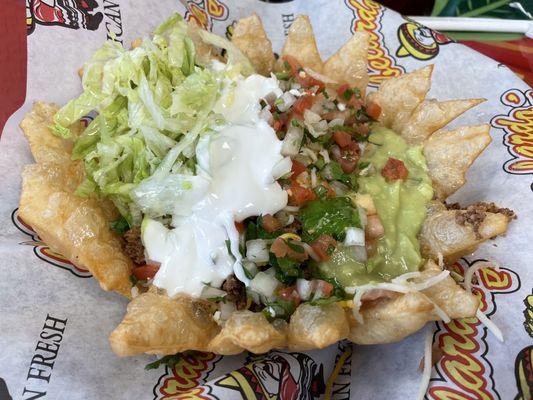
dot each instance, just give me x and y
(156, 324)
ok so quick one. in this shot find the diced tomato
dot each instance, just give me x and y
(240, 227)
(348, 156)
(296, 169)
(394, 169)
(324, 246)
(147, 271)
(373, 110)
(303, 103)
(325, 288)
(299, 195)
(281, 249)
(270, 223)
(342, 88)
(374, 227)
(290, 293)
(294, 65)
(342, 138)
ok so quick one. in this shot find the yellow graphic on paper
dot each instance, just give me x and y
(367, 17)
(464, 370)
(518, 128)
(419, 42)
(277, 376)
(204, 12)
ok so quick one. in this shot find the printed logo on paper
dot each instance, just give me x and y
(465, 371)
(185, 380)
(367, 17)
(517, 126)
(73, 14)
(204, 12)
(43, 252)
(277, 376)
(419, 41)
(524, 359)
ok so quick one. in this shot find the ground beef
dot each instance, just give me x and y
(133, 245)
(475, 214)
(236, 292)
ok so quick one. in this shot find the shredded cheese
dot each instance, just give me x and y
(491, 326)
(426, 372)
(471, 271)
(399, 284)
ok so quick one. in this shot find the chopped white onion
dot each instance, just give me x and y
(257, 250)
(287, 100)
(266, 115)
(313, 177)
(354, 237)
(311, 117)
(336, 122)
(321, 125)
(292, 141)
(282, 168)
(310, 251)
(250, 267)
(295, 92)
(264, 283)
(291, 208)
(209, 292)
(226, 309)
(304, 288)
(325, 155)
(341, 106)
(309, 153)
(295, 85)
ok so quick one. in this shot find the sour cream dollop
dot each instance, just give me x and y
(238, 162)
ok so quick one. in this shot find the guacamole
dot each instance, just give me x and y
(401, 206)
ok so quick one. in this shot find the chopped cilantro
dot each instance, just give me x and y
(321, 191)
(279, 309)
(320, 163)
(283, 76)
(120, 226)
(170, 361)
(134, 280)
(296, 123)
(286, 270)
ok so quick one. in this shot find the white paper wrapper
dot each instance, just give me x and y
(43, 357)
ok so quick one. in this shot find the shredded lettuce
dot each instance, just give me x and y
(152, 105)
